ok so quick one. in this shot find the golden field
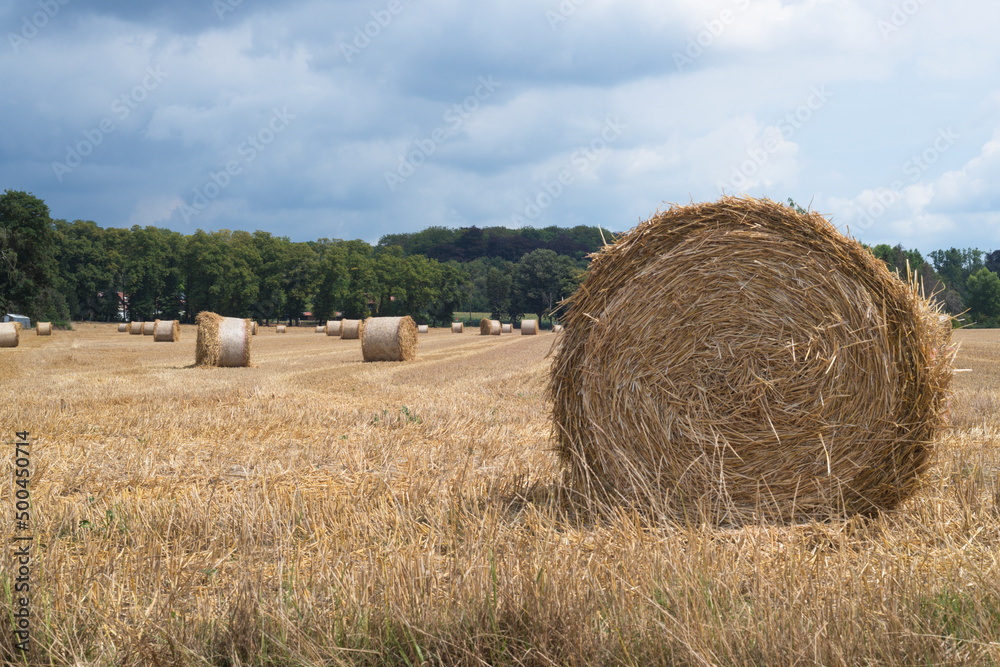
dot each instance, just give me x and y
(317, 510)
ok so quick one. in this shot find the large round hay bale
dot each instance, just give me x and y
(333, 327)
(166, 331)
(489, 327)
(135, 328)
(43, 329)
(457, 327)
(148, 328)
(529, 327)
(222, 341)
(389, 339)
(280, 328)
(10, 334)
(506, 328)
(422, 328)
(351, 329)
(122, 328)
(737, 361)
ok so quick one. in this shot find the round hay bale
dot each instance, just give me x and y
(122, 328)
(10, 334)
(253, 327)
(556, 328)
(458, 327)
(333, 327)
(280, 328)
(148, 328)
(422, 328)
(135, 328)
(321, 328)
(529, 327)
(166, 331)
(485, 327)
(506, 328)
(222, 341)
(43, 329)
(389, 339)
(737, 361)
(351, 329)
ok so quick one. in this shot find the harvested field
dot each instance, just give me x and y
(416, 512)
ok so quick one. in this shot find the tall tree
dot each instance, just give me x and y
(28, 266)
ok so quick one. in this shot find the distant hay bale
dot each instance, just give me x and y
(457, 327)
(280, 328)
(389, 339)
(507, 328)
(351, 329)
(333, 327)
(222, 341)
(529, 327)
(556, 328)
(737, 361)
(253, 327)
(43, 329)
(122, 328)
(135, 328)
(489, 327)
(10, 334)
(422, 328)
(166, 331)
(321, 328)
(148, 327)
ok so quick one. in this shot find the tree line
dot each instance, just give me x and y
(58, 270)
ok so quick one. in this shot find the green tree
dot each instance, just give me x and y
(984, 295)
(498, 289)
(541, 279)
(28, 265)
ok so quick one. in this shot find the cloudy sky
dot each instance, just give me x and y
(315, 119)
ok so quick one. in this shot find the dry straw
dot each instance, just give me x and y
(280, 328)
(422, 328)
(737, 361)
(529, 327)
(43, 329)
(506, 328)
(389, 339)
(148, 328)
(351, 329)
(333, 327)
(135, 328)
(10, 334)
(457, 327)
(166, 331)
(122, 328)
(222, 341)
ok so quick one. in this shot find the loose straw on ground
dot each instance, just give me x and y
(737, 361)
(166, 331)
(10, 334)
(529, 327)
(222, 341)
(351, 329)
(43, 329)
(389, 339)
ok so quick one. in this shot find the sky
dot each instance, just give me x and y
(348, 120)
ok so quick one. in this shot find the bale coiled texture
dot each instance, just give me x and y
(529, 327)
(333, 327)
(489, 327)
(737, 361)
(457, 327)
(148, 328)
(422, 328)
(389, 339)
(222, 341)
(122, 328)
(10, 334)
(43, 329)
(166, 331)
(507, 328)
(280, 328)
(351, 329)
(135, 328)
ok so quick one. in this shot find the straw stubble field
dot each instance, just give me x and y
(313, 509)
